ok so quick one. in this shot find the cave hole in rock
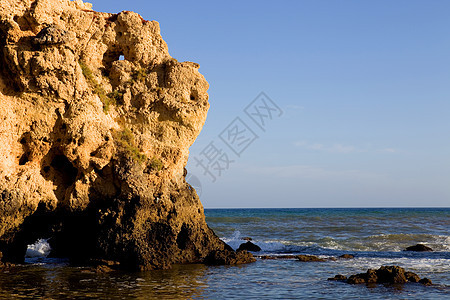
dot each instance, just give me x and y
(24, 158)
(64, 170)
(194, 95)
(183, 237)
(110, 56)
(57, 168)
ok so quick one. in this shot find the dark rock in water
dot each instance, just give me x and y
(308, 258)
(357, 279)
(425, 281)
(338, 278)
(346, 256)
(419, 248)
(385, 274)
(247, 238)
(412, 277)
(249, 246)
(391, 274)
(228, 257)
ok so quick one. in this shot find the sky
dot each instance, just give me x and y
(355, 103)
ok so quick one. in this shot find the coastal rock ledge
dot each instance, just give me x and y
(96, 119)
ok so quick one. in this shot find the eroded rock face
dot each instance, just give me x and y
(96, 119)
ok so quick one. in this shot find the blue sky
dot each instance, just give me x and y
(364, 87)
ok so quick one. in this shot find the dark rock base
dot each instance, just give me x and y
(385, 274)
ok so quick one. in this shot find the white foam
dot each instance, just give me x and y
(39, 249)
(271, 246)
(414, 264)
(234, 241)
(267, 246)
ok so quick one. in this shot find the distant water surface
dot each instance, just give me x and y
(375, 236)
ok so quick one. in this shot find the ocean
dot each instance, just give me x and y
(375, 236)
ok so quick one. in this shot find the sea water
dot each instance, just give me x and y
(375, 237)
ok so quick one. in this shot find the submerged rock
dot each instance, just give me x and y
(338, 277)
(308, 258)
(346, 256)
(385, 274)
(249, 246)
(419, 248)
(93, 146)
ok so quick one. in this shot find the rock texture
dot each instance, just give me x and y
(96, 119)
(385, 274)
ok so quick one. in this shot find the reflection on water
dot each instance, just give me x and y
(59, 281)
(265, 279)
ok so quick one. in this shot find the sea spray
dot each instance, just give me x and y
(40, 249)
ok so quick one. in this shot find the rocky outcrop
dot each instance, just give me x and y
(249, 246)
(385, 274)
(96, 122)
(419, 248)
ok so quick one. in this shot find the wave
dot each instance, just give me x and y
(329, 245)
(39, 249)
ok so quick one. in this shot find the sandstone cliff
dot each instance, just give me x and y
(96, 119)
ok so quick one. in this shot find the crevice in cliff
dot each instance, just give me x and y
(7, 84)
(183, 237)
(57, 168)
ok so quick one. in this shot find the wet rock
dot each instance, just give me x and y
(346, 256)
(229, 257)
(386, 274)
(391, 274)
(425, 281)
(418, 248)
(309, 258)
(338, 278)
(412, 277)
(357, 278)
(249, 246)
(247, 238)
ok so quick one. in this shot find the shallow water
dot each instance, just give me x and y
(375, 236)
